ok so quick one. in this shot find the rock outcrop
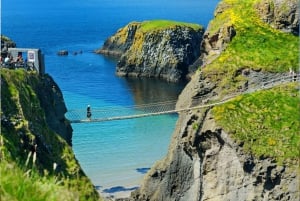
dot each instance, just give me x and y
(214, 42)
(281, 14)
(35, 133)
(164, 52)
(63, 53)
(203, 161)
(52, 102)
(5, 44)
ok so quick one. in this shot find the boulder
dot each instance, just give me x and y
(62, 53)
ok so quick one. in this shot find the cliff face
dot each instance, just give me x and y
(206, 161)
(36, 135)
(52, 102)
(164, 52)
(281, 14)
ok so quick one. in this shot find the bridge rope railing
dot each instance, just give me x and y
(159, 108)
(113, 113)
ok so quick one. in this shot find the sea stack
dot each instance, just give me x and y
(159, 48)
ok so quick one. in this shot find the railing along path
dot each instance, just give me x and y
(160, 108)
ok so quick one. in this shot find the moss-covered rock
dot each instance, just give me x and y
(35, 134)
(159, 48)
(5, 44)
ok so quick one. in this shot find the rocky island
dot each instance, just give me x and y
(158, 48)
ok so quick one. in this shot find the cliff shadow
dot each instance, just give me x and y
(152, 90)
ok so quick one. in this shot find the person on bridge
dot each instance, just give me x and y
(88, 112)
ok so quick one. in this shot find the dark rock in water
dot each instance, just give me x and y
(164, 53)
(142, 170)
(98, 187)
(118, 189)
(62, 53)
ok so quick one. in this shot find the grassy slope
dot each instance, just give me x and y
(30, 186)
(256, 45)
(267, 122)
(20, 105)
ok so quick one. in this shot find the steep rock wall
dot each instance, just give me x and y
(165, 53)
(203, 161)
(281, 14)
(34, 132)
(52, 102)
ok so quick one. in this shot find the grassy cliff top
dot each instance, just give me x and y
(163, 24)
(267, 122)
(256, 44)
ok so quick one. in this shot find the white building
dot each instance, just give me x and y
(32, 57)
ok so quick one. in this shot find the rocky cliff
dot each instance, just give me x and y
(280, 14)
(162, 49)
(35, 139)
(235, 153)
(6, 43)
(51, 99)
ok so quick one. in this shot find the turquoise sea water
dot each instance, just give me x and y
(113, 153)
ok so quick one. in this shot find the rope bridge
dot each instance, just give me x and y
(159, 108)
(122, 112)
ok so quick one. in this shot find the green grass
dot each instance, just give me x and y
(267, 122)
(163, 24)
(15, 184)
(28, 185)
(256, 45)
(5, 38)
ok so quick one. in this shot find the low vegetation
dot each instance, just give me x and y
(28, 185)
(256, 45)
(163, 24)
(265, 122)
